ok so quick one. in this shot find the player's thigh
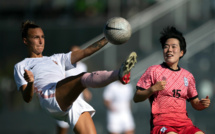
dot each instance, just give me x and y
(171, 133)
(61, 130)
(85, 124)
(68, 90)
(199, 132)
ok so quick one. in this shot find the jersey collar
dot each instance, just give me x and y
(165, 65)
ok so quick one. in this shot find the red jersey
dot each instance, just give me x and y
(169, 105)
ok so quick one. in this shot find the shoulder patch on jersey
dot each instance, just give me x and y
(185, 81)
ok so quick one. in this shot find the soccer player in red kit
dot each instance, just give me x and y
(168, 86)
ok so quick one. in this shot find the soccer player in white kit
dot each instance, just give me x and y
(117, 99)
(45, 76)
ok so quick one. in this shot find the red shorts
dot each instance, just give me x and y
(179, 130)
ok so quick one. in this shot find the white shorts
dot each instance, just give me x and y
(71, 116)
(120, 122)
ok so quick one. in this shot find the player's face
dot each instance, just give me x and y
(172, 52)
(35, 41)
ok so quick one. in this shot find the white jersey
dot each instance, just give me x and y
(120, 118)
(46, 70)
(119, 95)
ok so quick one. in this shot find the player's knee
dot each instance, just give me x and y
(172, 133)
(85, 124)
(199, 132)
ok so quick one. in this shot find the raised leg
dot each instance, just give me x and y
(68, 89)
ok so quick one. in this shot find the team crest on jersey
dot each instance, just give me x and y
(163, 129)
(55, 62)
(185, 81)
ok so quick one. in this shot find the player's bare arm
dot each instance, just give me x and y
(87, 95)
(200, 104)
(142, 95)
(80, 54)
(28, 90)
(108, 105)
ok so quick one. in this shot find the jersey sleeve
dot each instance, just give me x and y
(192, 92)
(18, 76)
(64, 60)
(145, 80)
(68, 64)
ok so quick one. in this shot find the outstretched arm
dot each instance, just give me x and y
(200, 104)
(28, 90)
(142, 95)
(80, 54)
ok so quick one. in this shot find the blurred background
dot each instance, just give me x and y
(80, 22)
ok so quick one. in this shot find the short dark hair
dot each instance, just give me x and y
(172, 32)
(26, 25)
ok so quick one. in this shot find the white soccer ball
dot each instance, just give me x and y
(117, 30)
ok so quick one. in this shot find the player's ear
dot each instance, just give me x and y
(181, 53)
(24, 41)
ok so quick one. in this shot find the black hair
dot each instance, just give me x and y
(172, 32)
(26, 25)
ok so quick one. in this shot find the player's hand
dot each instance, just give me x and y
(205, 102)
(28, 75)
(160, 85)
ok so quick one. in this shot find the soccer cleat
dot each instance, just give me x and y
(125, 69)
